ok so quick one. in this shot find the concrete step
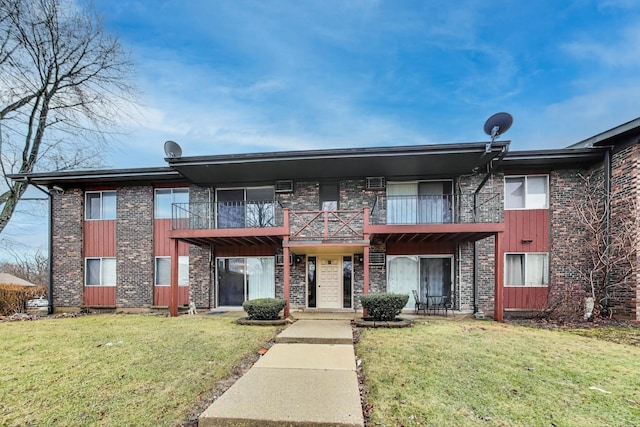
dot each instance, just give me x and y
(317, 332)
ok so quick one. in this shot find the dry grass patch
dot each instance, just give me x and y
(466, 373)
(116, 370)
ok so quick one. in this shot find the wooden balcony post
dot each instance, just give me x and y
(498, 305)
(287, 273)
(173, 291)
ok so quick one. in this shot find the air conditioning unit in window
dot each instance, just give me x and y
(376, 183)
(284, 186)
(376, 258)
(280, 259)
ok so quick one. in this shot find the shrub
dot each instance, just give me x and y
(13, 298)
(384, 307)
(264, 308)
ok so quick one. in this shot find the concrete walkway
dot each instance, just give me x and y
(308, 378)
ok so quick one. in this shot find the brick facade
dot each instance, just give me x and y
(134, 250)
(67, 251)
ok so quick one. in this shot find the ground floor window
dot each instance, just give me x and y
(100, 272)
(245, 278)
(163, 271)
(427, 275)
(526, 269)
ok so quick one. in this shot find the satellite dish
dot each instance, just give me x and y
(172, 149)
(498, 124)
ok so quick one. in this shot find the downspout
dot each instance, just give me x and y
(607, 219)
(50, 246)
(493, 165)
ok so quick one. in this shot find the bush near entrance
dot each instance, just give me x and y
(264, 308)
(384, 307)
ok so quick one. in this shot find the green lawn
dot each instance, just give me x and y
(64, 371)
(469, 373)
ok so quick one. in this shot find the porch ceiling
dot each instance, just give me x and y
(429, 237)
(412, 161)
(230, 241)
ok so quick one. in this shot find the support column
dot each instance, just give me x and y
(498, 305)
(287, 274)
(173, 291)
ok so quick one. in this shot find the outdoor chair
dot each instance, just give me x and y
(420, 305)
(435, 303)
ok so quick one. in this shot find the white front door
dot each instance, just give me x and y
(329, 283)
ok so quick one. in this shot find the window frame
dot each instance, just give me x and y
(525, 179)
(101, 273)
(101, 210)
(172, 191)
(183, 276)
(526, 271)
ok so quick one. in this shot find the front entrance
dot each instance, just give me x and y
(329, 282)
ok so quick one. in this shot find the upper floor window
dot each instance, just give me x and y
(166, 197)
(100, 205)
(526, 192)
(251, 207)
(425, 202)
(329, 196)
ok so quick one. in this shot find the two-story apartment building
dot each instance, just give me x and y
(483, 227)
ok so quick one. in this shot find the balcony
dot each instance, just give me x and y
(438, 209)
(227, 215)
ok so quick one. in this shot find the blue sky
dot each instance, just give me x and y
(251, 76)
(246, 76)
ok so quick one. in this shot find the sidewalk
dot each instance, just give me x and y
(308, 378)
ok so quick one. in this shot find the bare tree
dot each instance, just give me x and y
(63, 83)
(32, 267)
(609, 240)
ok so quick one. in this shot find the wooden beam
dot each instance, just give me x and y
(498, 305)
(173, 291)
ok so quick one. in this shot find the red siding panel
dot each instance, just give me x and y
(162, 296)
(531, 298)
(524, 225)
(100, 238)
(162, 242)
(96, 296)
(427, 248)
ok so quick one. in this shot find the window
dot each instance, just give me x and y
(100, 272)
(329, 196)
(526, 192)
(427, 202)
(165, 197)
(246, 207)
(242, 279)
(426, 274)
(527, 269)
(100, 205)
(163, 271)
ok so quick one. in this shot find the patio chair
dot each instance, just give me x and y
(420, 305)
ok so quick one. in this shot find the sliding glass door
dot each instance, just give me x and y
(428, 275)
(428, 202)
(246, 278)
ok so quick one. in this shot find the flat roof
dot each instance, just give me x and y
(442, 160)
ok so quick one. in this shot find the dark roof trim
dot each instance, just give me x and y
(611, 136)
(344, 153)
(104, 176)
(553, 158)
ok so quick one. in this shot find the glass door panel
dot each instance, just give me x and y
(402, 203)
(231, 212)
(231, 281)
(435, 276)
(260, 207)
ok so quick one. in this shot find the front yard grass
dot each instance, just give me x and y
(469, 373)
(116, 370)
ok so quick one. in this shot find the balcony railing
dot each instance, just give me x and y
(439, 209)
(224, 215)
(327, 224)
